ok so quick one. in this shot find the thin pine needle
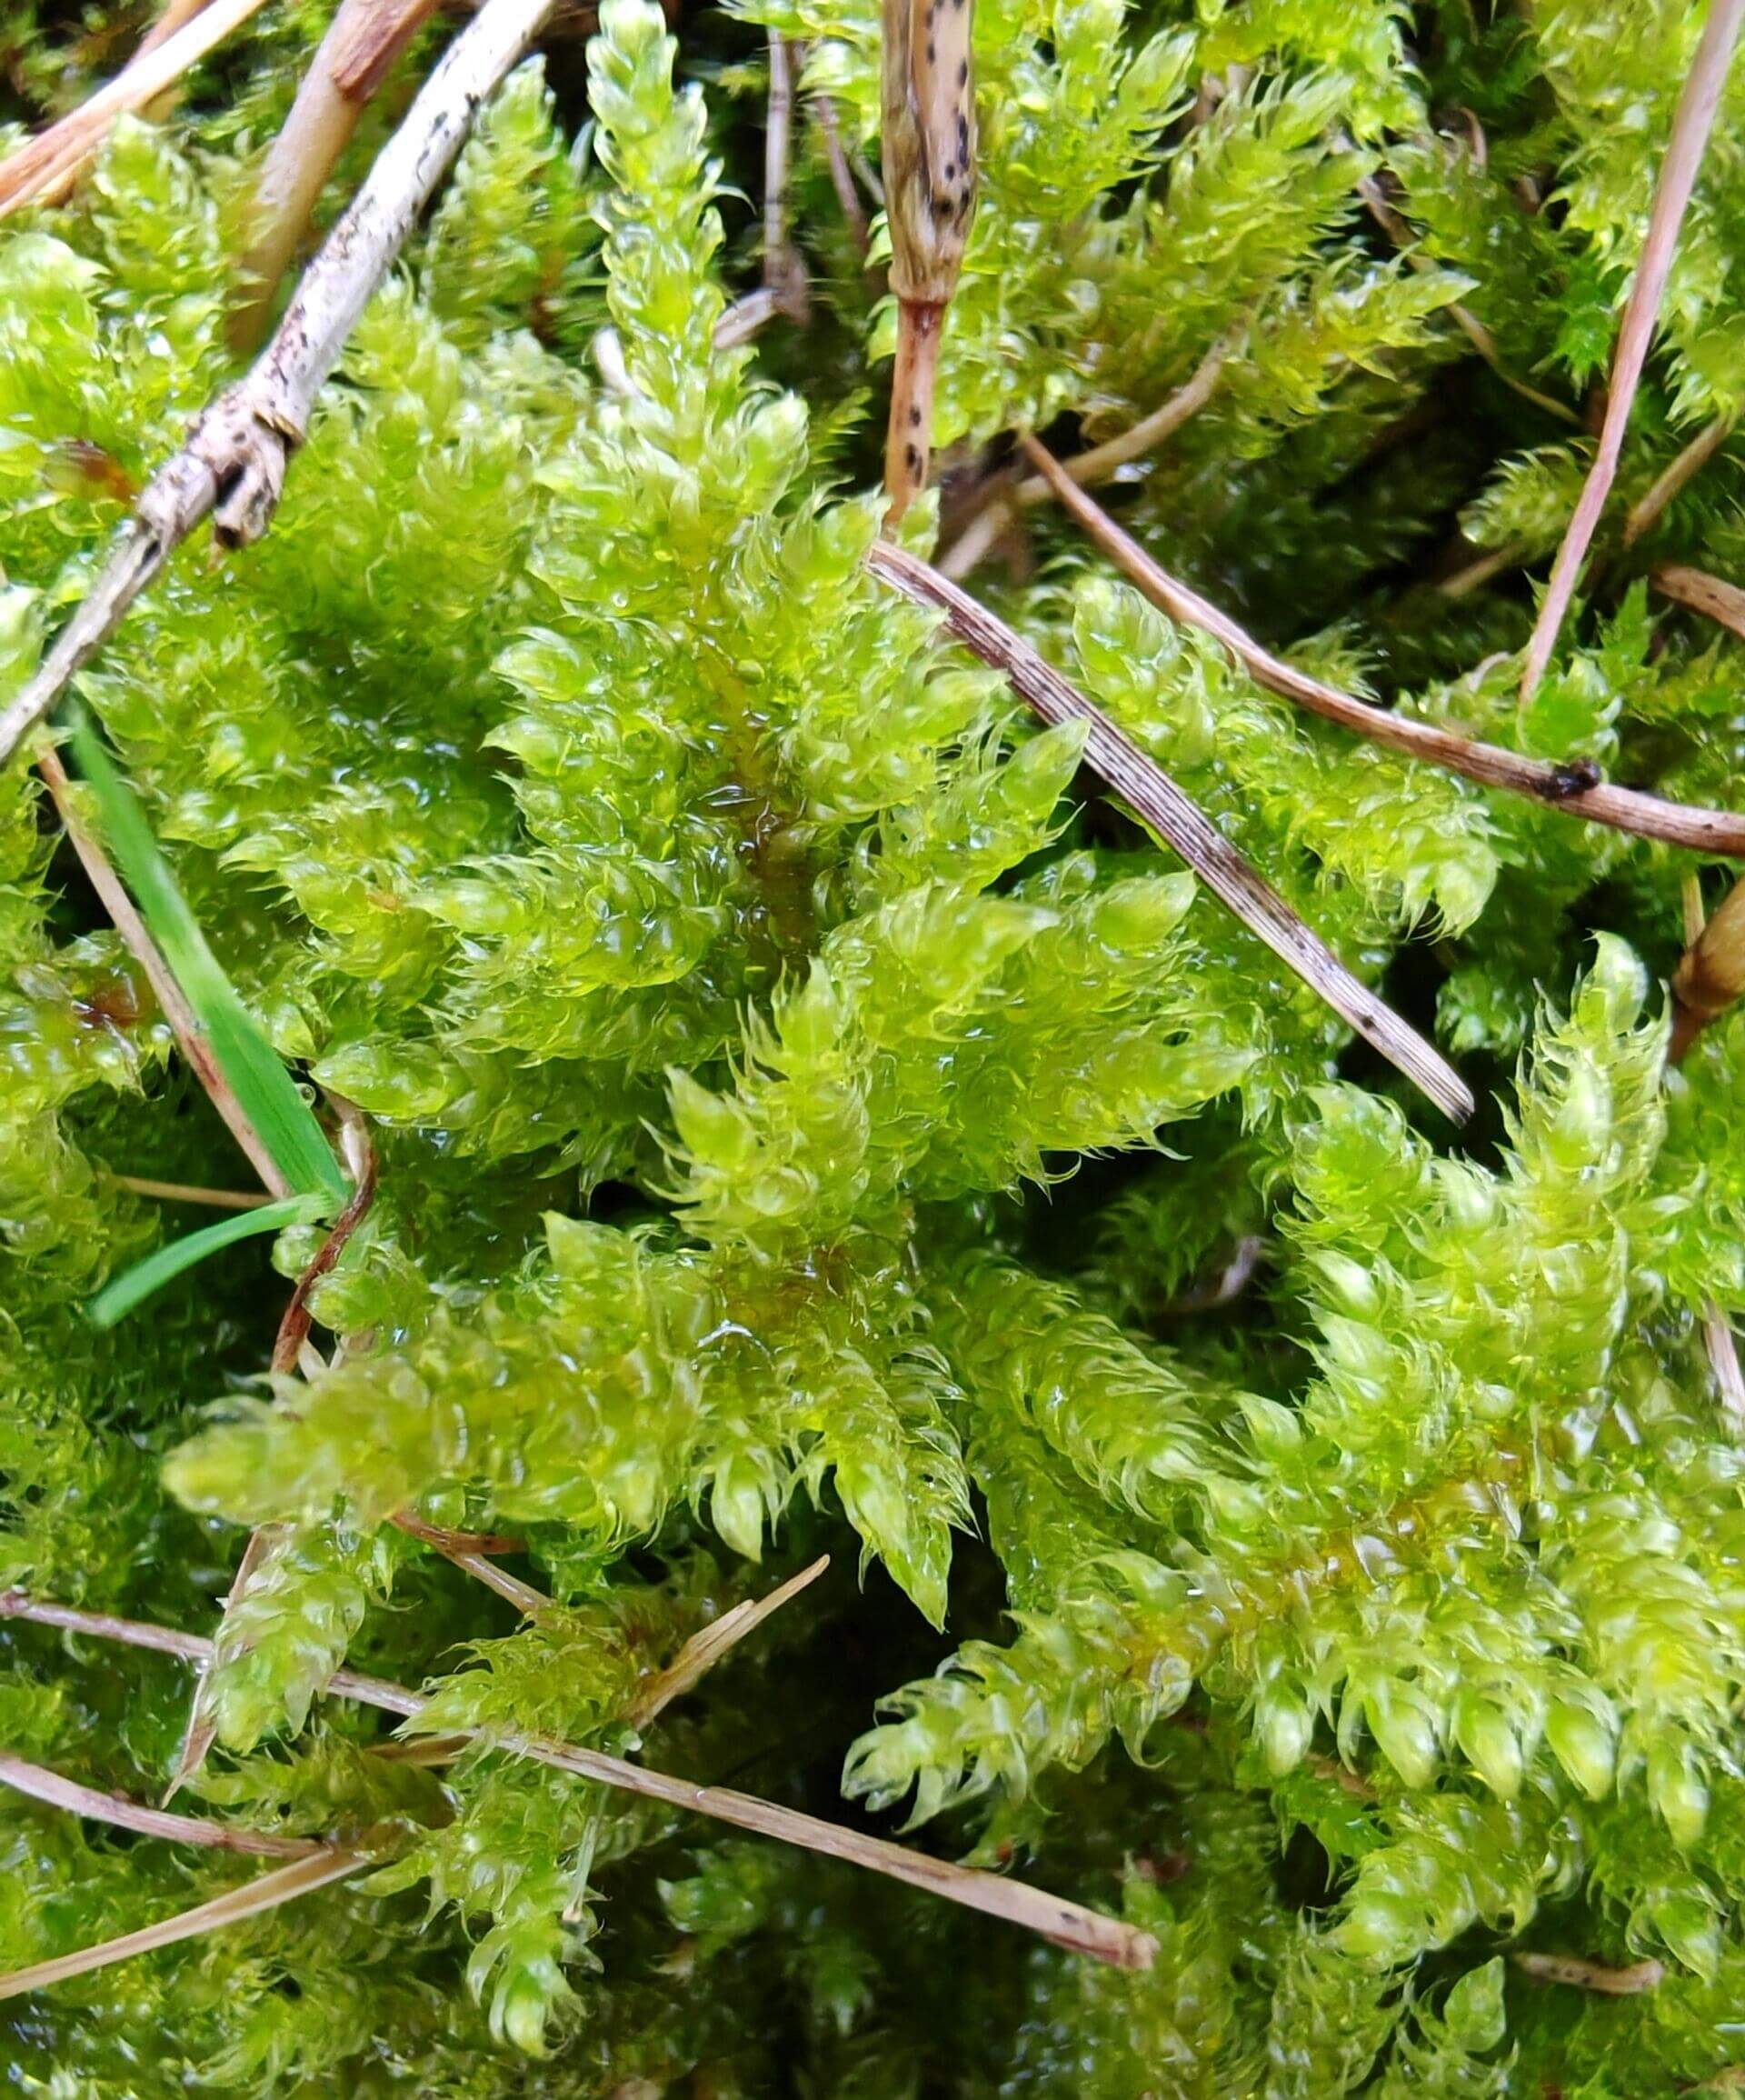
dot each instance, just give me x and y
(1069, 1925)
(284, 1884)
(57, 1791)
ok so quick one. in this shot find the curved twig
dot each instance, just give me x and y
(1573, 786)
(360, 1158)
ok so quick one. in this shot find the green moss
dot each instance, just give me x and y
(811, 1115)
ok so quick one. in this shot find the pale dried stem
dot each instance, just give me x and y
(706, 1647)
(784, 268)
(233, 465)
(1691, 128)
(184, 1024)
(1718, 1337)
(525, 1597)
(841, 176)
(980, 535)
(284, 1884)
(1067, 1925)
(1711, 975)
(59, 1791)
(746, 318)
(1399, 230)
(908, 434)
(362, 43)
(185, 1192)
(1700, 592)
(44, 168)
(1574, 787)
(1150, 792)
(1684, 469)
(1086, 469)
(1477, 573)
(1586, 1975)
(174, 15)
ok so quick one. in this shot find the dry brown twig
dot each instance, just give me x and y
(928, 143)
(1400, 232)
(233, 465)
(355, 57)
(44, 168)
(1574, 786)
(1699, 592)
(1161, 803)
(185, 1192)
(1067, 1925)
(1086, 469)
(784, 268)
(1711, 975)
(841, 176)
(1646, 513)
(1691, 128)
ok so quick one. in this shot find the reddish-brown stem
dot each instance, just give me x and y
(1573, 786)
(1182, 824)
(1067, 1925)
(1691, 128)
(909, 435)
(447, 1541)
(294, 1328)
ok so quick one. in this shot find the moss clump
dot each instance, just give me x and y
(811, 1114)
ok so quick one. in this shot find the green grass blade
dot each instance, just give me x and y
(144, 1279)
(267, 1093)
